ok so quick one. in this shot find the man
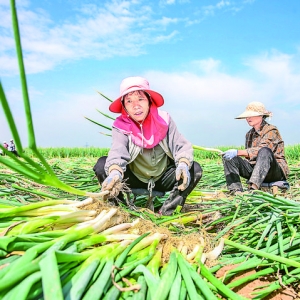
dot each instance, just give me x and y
(263, 160)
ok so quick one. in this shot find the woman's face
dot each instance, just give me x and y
(137, 105)
(255, 122)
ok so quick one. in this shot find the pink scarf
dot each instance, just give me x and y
(153, 129)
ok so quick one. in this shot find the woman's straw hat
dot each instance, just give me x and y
(131, 84)
(254, 109)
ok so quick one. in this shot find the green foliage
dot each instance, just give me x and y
(65, 152)
(292, 152)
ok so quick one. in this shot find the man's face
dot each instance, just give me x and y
(137, 105)
(254, 121)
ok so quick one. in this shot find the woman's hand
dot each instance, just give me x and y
(182, 171)
(112, 183)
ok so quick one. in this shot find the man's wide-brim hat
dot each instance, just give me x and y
(131, 84)
(254, 109)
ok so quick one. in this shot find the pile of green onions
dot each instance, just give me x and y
(56, 250)
(261, 232)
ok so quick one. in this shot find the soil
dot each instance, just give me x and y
(168, 240)
(246, 290)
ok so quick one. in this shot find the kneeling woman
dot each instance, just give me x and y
(147, 149)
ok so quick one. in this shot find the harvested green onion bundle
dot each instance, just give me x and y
(87, 258)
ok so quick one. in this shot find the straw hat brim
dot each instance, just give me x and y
(251, 113)
(116, 106)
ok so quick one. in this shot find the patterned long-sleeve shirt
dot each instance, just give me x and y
(267, 136)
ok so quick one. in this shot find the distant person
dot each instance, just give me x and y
(5, 145)
(263, 160)
(147, 149)
(12, 148)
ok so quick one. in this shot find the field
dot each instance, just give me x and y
(245, 245)
(60, 240)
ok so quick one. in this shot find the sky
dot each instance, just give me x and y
(207, 58)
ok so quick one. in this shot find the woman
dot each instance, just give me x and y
(264, 159)
(147, 150)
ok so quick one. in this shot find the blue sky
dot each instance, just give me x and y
(208, 59)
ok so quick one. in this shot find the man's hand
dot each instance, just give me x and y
(182, 171)
(230, 154)
(110, 183)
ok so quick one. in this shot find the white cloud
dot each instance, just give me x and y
(211, 9)
(96, 32)
(63, 122)
(116, 28)
(231, 6)
(167, 2)
(166, 21)
(207, 65)
(172, 2)
(162, 38)
(272, 64)
(222, 4)
(279, 74)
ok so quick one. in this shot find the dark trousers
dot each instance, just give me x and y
(166, 183)
(266, 169)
